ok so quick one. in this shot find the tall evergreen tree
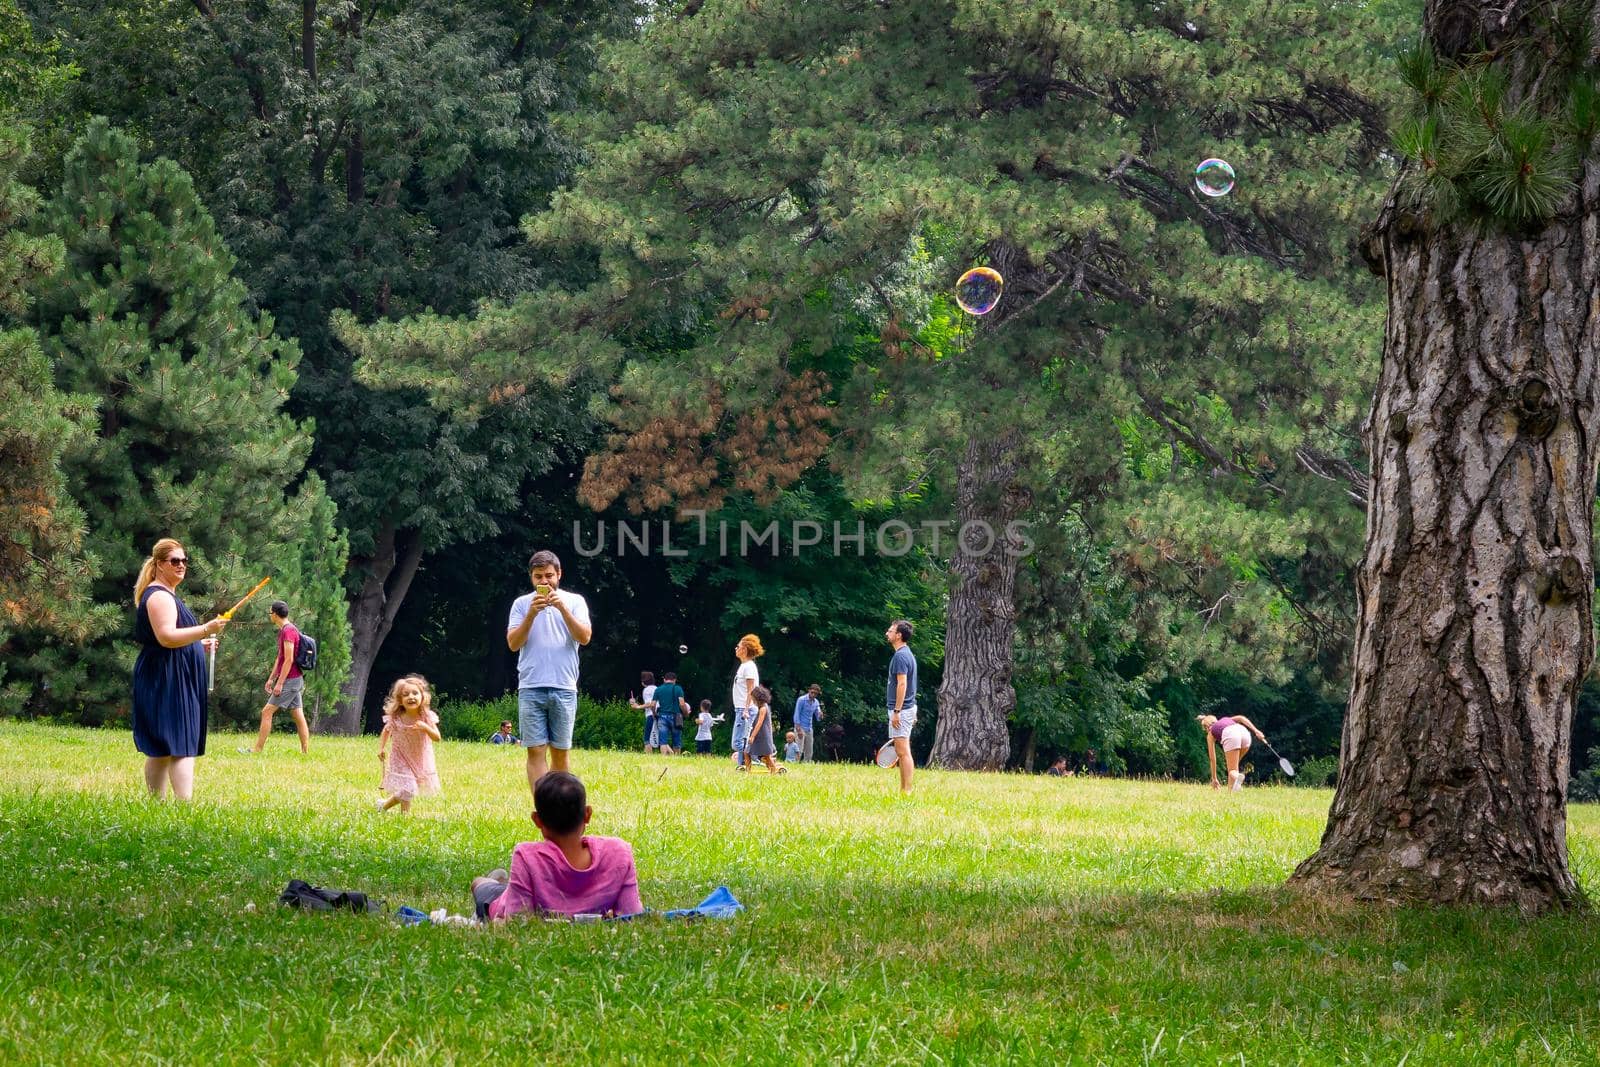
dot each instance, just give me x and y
(768, 175)
(1475, 626)
(192, 440)
(371, 158)
(44, 573)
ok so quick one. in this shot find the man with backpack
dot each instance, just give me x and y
(286, 683)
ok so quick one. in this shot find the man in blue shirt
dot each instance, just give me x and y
(546, 628)
(902, 697)
(807, 710)
(503, 736)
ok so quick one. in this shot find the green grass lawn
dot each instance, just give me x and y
(991, 918)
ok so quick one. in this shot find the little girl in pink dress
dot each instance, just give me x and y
(409, 722)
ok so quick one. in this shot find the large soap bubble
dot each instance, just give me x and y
(978, 290)
(1214, 177)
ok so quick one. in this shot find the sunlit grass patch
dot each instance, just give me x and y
(991, 917)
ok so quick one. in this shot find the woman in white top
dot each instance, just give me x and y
(745, 681)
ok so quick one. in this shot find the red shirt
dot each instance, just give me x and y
(292, 636)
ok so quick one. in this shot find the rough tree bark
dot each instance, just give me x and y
(372, 613)
(1475, 590)
(976, 697)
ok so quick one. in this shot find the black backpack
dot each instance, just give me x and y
(307, 897)
(305, 653)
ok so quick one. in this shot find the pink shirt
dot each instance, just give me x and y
(543, 881)
(292, 636)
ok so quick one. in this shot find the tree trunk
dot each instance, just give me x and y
(1473, 632)
(388, 576)
(976, 697)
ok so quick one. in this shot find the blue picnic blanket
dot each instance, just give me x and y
(721, 904)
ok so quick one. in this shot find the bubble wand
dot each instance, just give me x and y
(211, 656)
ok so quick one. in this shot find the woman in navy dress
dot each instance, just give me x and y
(169, 677)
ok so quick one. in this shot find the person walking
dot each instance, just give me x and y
(902, 698)
(285, 685)
(169, 676)
(545, 629)
(807, 711)
(745, 680)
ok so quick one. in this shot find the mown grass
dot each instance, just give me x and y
(991, 918)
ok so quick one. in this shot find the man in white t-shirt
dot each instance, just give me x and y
(545, 630)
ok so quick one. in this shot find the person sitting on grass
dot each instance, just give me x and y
(567, 873)
(504, 735)
(1058, 769)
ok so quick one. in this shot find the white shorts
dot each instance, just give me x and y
(908, 719)
(1235, 736)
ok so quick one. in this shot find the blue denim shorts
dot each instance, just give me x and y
(546, 716)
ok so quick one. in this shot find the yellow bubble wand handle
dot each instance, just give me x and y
(211, 656)
(262, 584)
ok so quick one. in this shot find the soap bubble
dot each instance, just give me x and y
(978, 290)
(683, 650)
(1214, 177)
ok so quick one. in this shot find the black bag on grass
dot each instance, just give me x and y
(308, 897)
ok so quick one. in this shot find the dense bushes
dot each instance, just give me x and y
(601, 724)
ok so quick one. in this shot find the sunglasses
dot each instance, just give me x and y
(178, 561)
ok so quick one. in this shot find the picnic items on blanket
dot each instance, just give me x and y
(721, 904)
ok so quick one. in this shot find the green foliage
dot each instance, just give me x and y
(192, 441)
(473, 720)
(600, 724)
(1318, 773)
(1487, 150)
(380, 174)
(44, 571)
(768, 191)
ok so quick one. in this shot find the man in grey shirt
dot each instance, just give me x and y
(902, 697)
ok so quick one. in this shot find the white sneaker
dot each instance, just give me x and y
(1236, 780)
(246, 750)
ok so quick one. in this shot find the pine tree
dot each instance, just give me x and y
(1475, 621)
(762, 177)
(191, 440)
(372, 159)
(44, 573)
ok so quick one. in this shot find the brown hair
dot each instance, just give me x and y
(159, 554)
(751, 645)
(544, 558)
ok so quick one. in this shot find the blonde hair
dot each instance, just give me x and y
(391, 703)
(751, 645)
(1205, 721)
(147, 573)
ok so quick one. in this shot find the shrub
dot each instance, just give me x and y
(1317, 773)
(601, 723)
(474, 720)
(607, 724)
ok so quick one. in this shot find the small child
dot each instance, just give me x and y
(791, 748)
(759, 744)
(410, 723)
(567, 873)
(702, 733)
